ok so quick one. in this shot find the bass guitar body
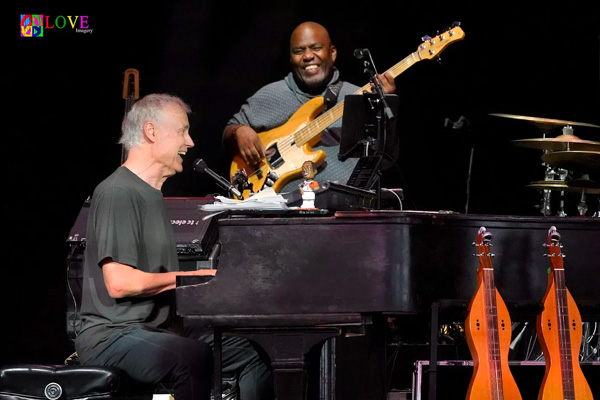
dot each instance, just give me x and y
(284, 155)
(559, 331)
(488, 331)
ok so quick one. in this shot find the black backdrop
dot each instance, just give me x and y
(64, 105)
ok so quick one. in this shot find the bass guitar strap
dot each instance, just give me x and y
(331, 94)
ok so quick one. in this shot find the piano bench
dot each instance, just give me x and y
(66, 382)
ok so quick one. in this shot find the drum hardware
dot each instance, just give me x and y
(563, 186)
(553, 179)
(558, 167)
(574, 160)
(582, 206)
(582, 185)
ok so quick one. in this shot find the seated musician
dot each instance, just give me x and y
(131, 264)
(312, 57)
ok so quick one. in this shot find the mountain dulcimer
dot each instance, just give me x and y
(488, 330)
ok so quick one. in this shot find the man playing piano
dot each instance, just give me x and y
(131, 265)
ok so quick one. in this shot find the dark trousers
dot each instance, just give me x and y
(185, 363)
(255, 379)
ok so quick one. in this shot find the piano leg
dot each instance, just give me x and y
(218, 363)
(287, 348)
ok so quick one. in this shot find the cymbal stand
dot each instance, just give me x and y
(562, 175)
(582, 206)
(550, 175)
(545, 209)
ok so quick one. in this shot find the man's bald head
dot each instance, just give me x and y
(312, 56)
(313, 27)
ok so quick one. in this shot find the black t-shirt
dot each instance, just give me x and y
(128, 224)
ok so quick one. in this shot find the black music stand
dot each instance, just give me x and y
(370, 137)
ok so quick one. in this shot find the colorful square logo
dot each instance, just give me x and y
(32, 25)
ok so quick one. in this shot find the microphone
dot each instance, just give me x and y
(200, 166)
(461, 123)
(361, 53)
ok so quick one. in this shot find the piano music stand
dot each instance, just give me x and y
(370, 137)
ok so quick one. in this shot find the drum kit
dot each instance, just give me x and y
(564, 157)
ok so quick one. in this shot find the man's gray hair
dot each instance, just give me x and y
(148, 108)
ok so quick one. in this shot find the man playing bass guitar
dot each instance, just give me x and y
(313, 75)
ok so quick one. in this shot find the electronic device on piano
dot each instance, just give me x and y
(195, 237)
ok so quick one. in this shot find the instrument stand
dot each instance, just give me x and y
(452, 306)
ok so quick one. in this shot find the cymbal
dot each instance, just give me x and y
(584, 182)
(562, 186)
(559, 143)
(545, 122)
(583, 161)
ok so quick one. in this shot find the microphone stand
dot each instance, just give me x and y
(378, 98)
(201, 167)
(464, 124)
(376, 84)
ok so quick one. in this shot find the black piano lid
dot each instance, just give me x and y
(388, 261)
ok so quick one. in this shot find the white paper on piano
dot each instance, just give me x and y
(266, 199)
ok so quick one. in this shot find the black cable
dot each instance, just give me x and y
(76, 326)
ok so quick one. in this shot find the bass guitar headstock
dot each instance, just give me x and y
(554, 249)
(433, 46)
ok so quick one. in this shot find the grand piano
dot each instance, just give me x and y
(290, 281)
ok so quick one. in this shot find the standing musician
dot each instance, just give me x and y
(312, 57)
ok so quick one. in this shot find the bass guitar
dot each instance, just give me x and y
(131, 93)
(289, 145)
(488, 330)
(559, 332)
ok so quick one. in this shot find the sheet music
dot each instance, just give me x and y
(266, 199)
